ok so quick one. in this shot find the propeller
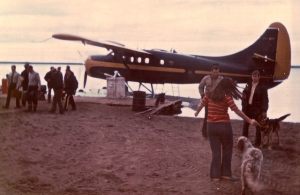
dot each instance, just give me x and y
(85, 79)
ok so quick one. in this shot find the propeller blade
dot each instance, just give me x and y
(85, 79)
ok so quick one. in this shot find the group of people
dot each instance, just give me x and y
(217, 94)
(25, 87)
(61, 86)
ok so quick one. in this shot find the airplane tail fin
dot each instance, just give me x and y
(283, 53)
(271, 54)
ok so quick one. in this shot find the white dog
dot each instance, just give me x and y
(251, 165)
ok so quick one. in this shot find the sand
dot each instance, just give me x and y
(102, 149)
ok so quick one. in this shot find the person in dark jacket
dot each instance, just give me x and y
(49, 82)
(24, 84)
(255, 102)
(70, 84)
(57, 85)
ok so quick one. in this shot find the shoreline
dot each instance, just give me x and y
(102, 149)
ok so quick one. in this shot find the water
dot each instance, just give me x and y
(283, 98)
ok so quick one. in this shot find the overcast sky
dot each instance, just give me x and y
(204, 27)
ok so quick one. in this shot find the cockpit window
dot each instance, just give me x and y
(111, 53)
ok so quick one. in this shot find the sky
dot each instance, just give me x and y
(203, 27)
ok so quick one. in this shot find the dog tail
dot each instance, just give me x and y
(283, 117)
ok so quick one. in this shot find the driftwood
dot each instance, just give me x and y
(170, 108)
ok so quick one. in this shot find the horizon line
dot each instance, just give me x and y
(71, 63)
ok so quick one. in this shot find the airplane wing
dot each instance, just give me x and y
(109, 45)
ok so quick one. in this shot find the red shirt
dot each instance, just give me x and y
(218, 111)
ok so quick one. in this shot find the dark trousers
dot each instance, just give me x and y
(11, 90)
(253, 114)
(24, 97)
(32, 95)
(49, 94)
(57, 101)
(70, 101)
(221, 143)
(257, 133)
(204, 127)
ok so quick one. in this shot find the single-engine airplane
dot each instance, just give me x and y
(271, 54)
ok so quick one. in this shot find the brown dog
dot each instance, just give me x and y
(268, 127)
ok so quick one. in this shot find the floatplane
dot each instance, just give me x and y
(271, 54)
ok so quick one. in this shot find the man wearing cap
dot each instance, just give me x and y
(255, 102)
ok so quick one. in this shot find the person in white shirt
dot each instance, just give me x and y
(255, 102)
(13, 79)
(34, 85)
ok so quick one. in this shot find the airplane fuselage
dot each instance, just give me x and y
(163, 67)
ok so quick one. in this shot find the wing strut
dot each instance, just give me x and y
(150, 90)
(85, 79)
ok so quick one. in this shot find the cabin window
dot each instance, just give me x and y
(139, 59)
(132, 59)
(162, 62)
(124, 57)
(147, 60)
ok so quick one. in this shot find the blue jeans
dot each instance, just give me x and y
(221, 143)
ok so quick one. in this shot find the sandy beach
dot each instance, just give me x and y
(103, 149)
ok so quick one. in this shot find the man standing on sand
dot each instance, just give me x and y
(24, 84)
(34, 84)
(49, 82)
(70, 85)
(255, 102)
(206, 86)
(13, 79)
(58, 86)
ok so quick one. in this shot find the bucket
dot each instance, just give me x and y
(4, 86)
(139, 101)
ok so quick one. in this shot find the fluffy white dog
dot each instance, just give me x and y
(251, 165)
